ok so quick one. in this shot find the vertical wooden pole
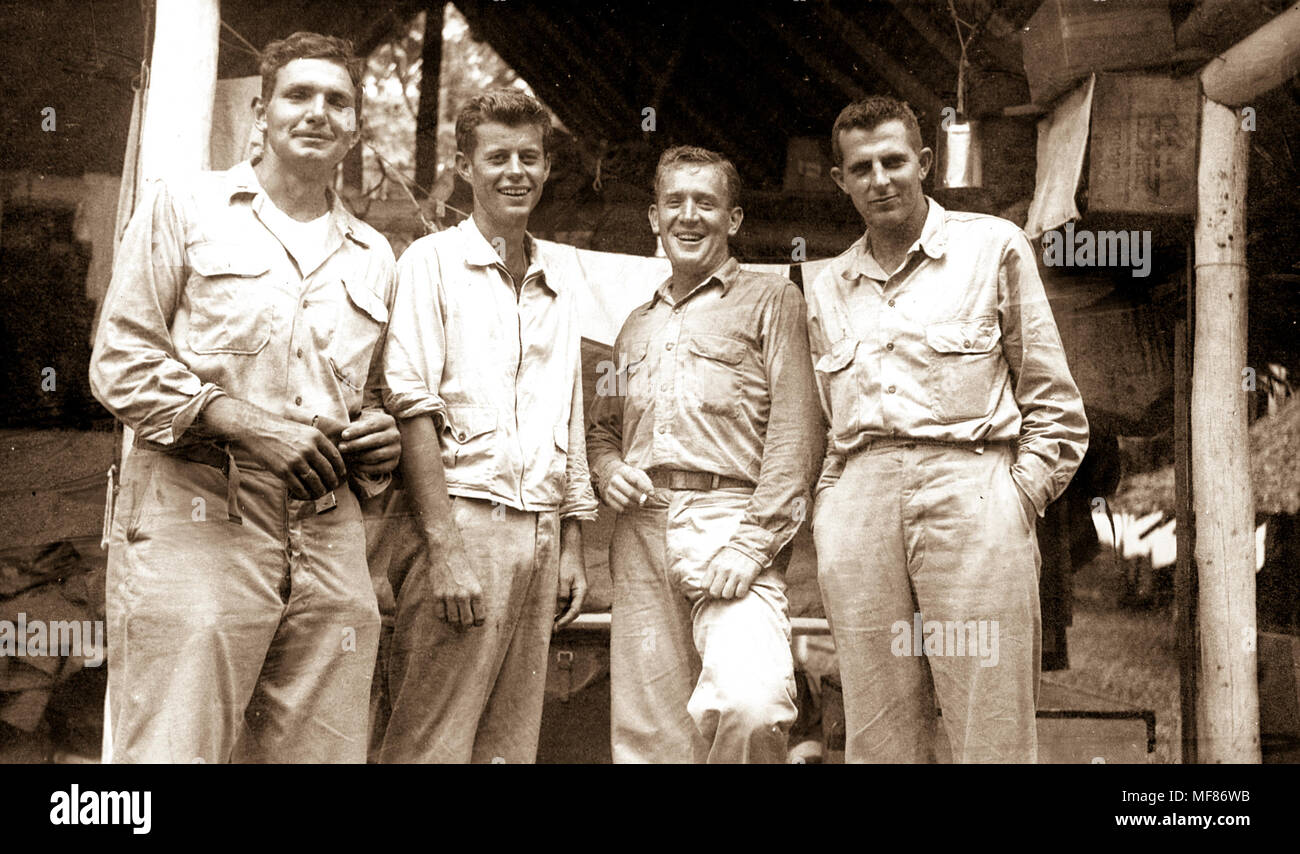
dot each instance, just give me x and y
(177, 128)
(1184, 526)
(1221, 489)
(426, 120)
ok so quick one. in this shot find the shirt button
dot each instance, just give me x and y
(888, 346)
(461, 436)
(297, 401)
(300, 352)
(665, 387)
(304, 303)
(965, 344)
(890, 389)
(891, 303)
(668, 346)
(663, 429)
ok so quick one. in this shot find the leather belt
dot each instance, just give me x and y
(666, 478)
(906, 442)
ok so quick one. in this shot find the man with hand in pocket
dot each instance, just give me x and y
(707, 450)
(240, 340)
(954, 422)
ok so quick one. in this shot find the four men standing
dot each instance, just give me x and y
(241, 339)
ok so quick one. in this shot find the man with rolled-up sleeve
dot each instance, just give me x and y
(707, 450)
(954, 423)
(240, 339)
(484, 374)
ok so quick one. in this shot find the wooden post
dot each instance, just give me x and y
(1184, 526)
(426, 122)
(177, 127)
(1228, 723)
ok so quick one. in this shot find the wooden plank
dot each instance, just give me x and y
(1264, 60)
(1228, 728)
(1185, 568)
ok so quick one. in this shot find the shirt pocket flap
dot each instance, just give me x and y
(726, 350)
(467, 423)
(963, 336)
(366, 300)
(224, 259)
(839, 357)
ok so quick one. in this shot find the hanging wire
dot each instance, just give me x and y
(962, 64)
(247, 46)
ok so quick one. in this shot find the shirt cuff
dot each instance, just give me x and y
(754, 543)
(1023, 474)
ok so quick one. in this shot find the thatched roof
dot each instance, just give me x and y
(1274, 470)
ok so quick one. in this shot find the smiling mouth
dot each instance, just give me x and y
(689, 239)
(514, 192)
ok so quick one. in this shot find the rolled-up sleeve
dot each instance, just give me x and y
(1054, 429)
(605, 431)
(792, 451)
(579, 500)
(134, 369)
(415, 348)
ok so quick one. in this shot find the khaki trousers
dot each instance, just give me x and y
(929, 572)
(474, 695)
(230, 642)
(695, 679)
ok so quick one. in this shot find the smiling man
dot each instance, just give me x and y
(954, 423)
(484, 376)
(240, 340)
(707, 453)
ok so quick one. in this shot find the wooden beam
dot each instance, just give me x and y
(426, 118)
(1184, 524)
(918, 94)
(1228, 724)
(943, 41)
(1261, 61)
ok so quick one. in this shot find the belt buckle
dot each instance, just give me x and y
(326, 503)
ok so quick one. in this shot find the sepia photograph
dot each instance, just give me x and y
(803, 382)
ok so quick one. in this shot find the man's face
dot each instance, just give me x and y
(506, 170)
(882, 173)
(693, 216)
(310, 120)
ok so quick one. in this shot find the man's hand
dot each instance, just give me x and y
(371, 444)
(628, 486)
(729, 575)
(455, 587)
(573, 575)
(299, 454)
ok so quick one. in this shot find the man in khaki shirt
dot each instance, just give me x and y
(954, 422)
(707, 451)
(484, 376)
(240, 340)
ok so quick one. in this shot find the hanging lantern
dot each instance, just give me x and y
(960, 154)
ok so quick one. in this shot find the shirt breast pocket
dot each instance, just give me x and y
(966, 372)
(836, 374)
(633, 372)
(229, 306)
(715, 368)
(360, 320)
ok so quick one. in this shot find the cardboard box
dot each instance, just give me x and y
(1065, 40)
(1142, 145)
(808, 166)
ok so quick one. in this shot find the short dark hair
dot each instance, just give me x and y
(304, 45)
(509, 107)
(870, 113)
(682, 155)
